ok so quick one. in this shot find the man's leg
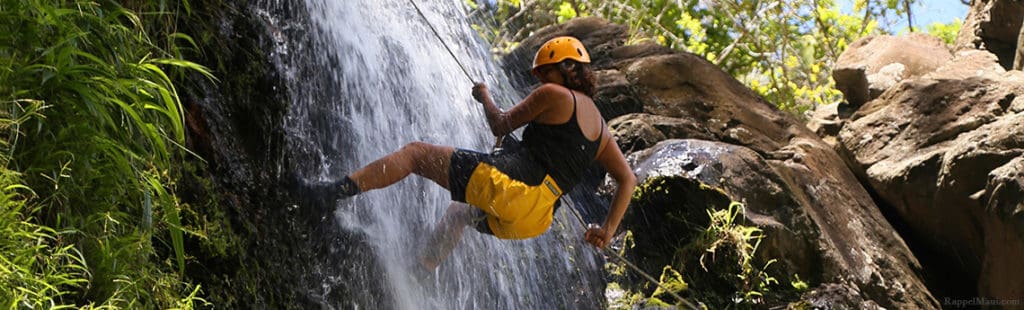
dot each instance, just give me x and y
(446, 235)
(424, 159)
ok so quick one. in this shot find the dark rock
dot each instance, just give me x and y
(993, 25)
(789, 200)
(873, 64)
(853, 83)
(825, 122)
(828, 295)
(668, 218)
(1003, 194)
(932, 149)
(744, 175)
(235, 124)
(615, 96)
(638, 131)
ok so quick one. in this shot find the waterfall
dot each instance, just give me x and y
(371, 77)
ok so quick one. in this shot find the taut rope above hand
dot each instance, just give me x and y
(438, 35)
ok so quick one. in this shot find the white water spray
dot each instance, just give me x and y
(380, 79)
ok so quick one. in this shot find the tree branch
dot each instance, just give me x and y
(910, 19)
(867, 15)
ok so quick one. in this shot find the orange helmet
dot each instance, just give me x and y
(558, 49)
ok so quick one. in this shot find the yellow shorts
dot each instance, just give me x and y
(514, 192)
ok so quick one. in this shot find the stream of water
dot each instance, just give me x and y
(378, 79)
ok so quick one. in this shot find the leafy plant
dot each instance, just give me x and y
(99, 155)
(725, 233)
(797, 284)
(38, 266)
(714, 261)
(670, 280)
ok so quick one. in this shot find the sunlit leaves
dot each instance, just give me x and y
(566, 12)
(946, 32)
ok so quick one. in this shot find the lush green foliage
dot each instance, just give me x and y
(784, 50)
(715, 259)
(93, 129)
(726, 249)
(728, 235)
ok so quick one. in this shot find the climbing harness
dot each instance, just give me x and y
(608, 251)
(438, 35)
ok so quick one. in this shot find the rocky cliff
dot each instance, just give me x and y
(993, 25)
(942, 149)
(684, 118)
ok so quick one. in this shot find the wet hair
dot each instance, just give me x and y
(578, 76)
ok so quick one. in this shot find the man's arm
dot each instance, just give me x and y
(504, 122)
(612, 159)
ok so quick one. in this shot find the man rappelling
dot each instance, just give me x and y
(512, 194)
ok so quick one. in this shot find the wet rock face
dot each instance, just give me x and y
(872, 65)
(235, 125)
(993, 25)
(819, 221)
(740, 172)
(943, 152)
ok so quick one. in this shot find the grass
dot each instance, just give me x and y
(729, 240)
(92, 129)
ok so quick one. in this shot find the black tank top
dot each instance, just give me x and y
(562, 149)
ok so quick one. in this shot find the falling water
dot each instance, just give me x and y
(370, 78)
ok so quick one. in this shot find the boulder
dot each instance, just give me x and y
(615, 96)
(873, 64)
(993, 25)
(827, 119)
(970, 64)
(638, 131)
(820, 222)
(1003, 194)
(791, 200)
(687, 86)
(942, 153)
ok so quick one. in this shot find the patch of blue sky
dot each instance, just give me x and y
(923, 12)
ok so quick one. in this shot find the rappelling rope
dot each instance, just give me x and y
(636, 269)
(438, 35)
(456, 58)
(609, 251)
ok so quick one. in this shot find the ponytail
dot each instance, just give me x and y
(578, 76)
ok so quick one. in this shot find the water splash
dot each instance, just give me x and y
(374, 79)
